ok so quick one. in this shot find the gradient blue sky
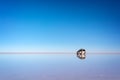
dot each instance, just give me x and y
(58, 25)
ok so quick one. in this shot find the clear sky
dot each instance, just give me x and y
(59, 25)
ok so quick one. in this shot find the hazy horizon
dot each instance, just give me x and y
(58, 52)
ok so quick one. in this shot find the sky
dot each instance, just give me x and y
(59, 25)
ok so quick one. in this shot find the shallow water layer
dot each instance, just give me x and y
(59, 67)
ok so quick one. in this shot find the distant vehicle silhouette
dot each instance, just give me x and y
(81, 53)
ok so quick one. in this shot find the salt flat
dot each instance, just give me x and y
(59, 67)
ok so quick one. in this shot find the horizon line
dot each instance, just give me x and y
(57, 52)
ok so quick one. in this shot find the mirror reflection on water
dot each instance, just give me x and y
(59, 67)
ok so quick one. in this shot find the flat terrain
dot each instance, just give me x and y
(59, 67)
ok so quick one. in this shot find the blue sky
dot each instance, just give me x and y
(57, 25)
